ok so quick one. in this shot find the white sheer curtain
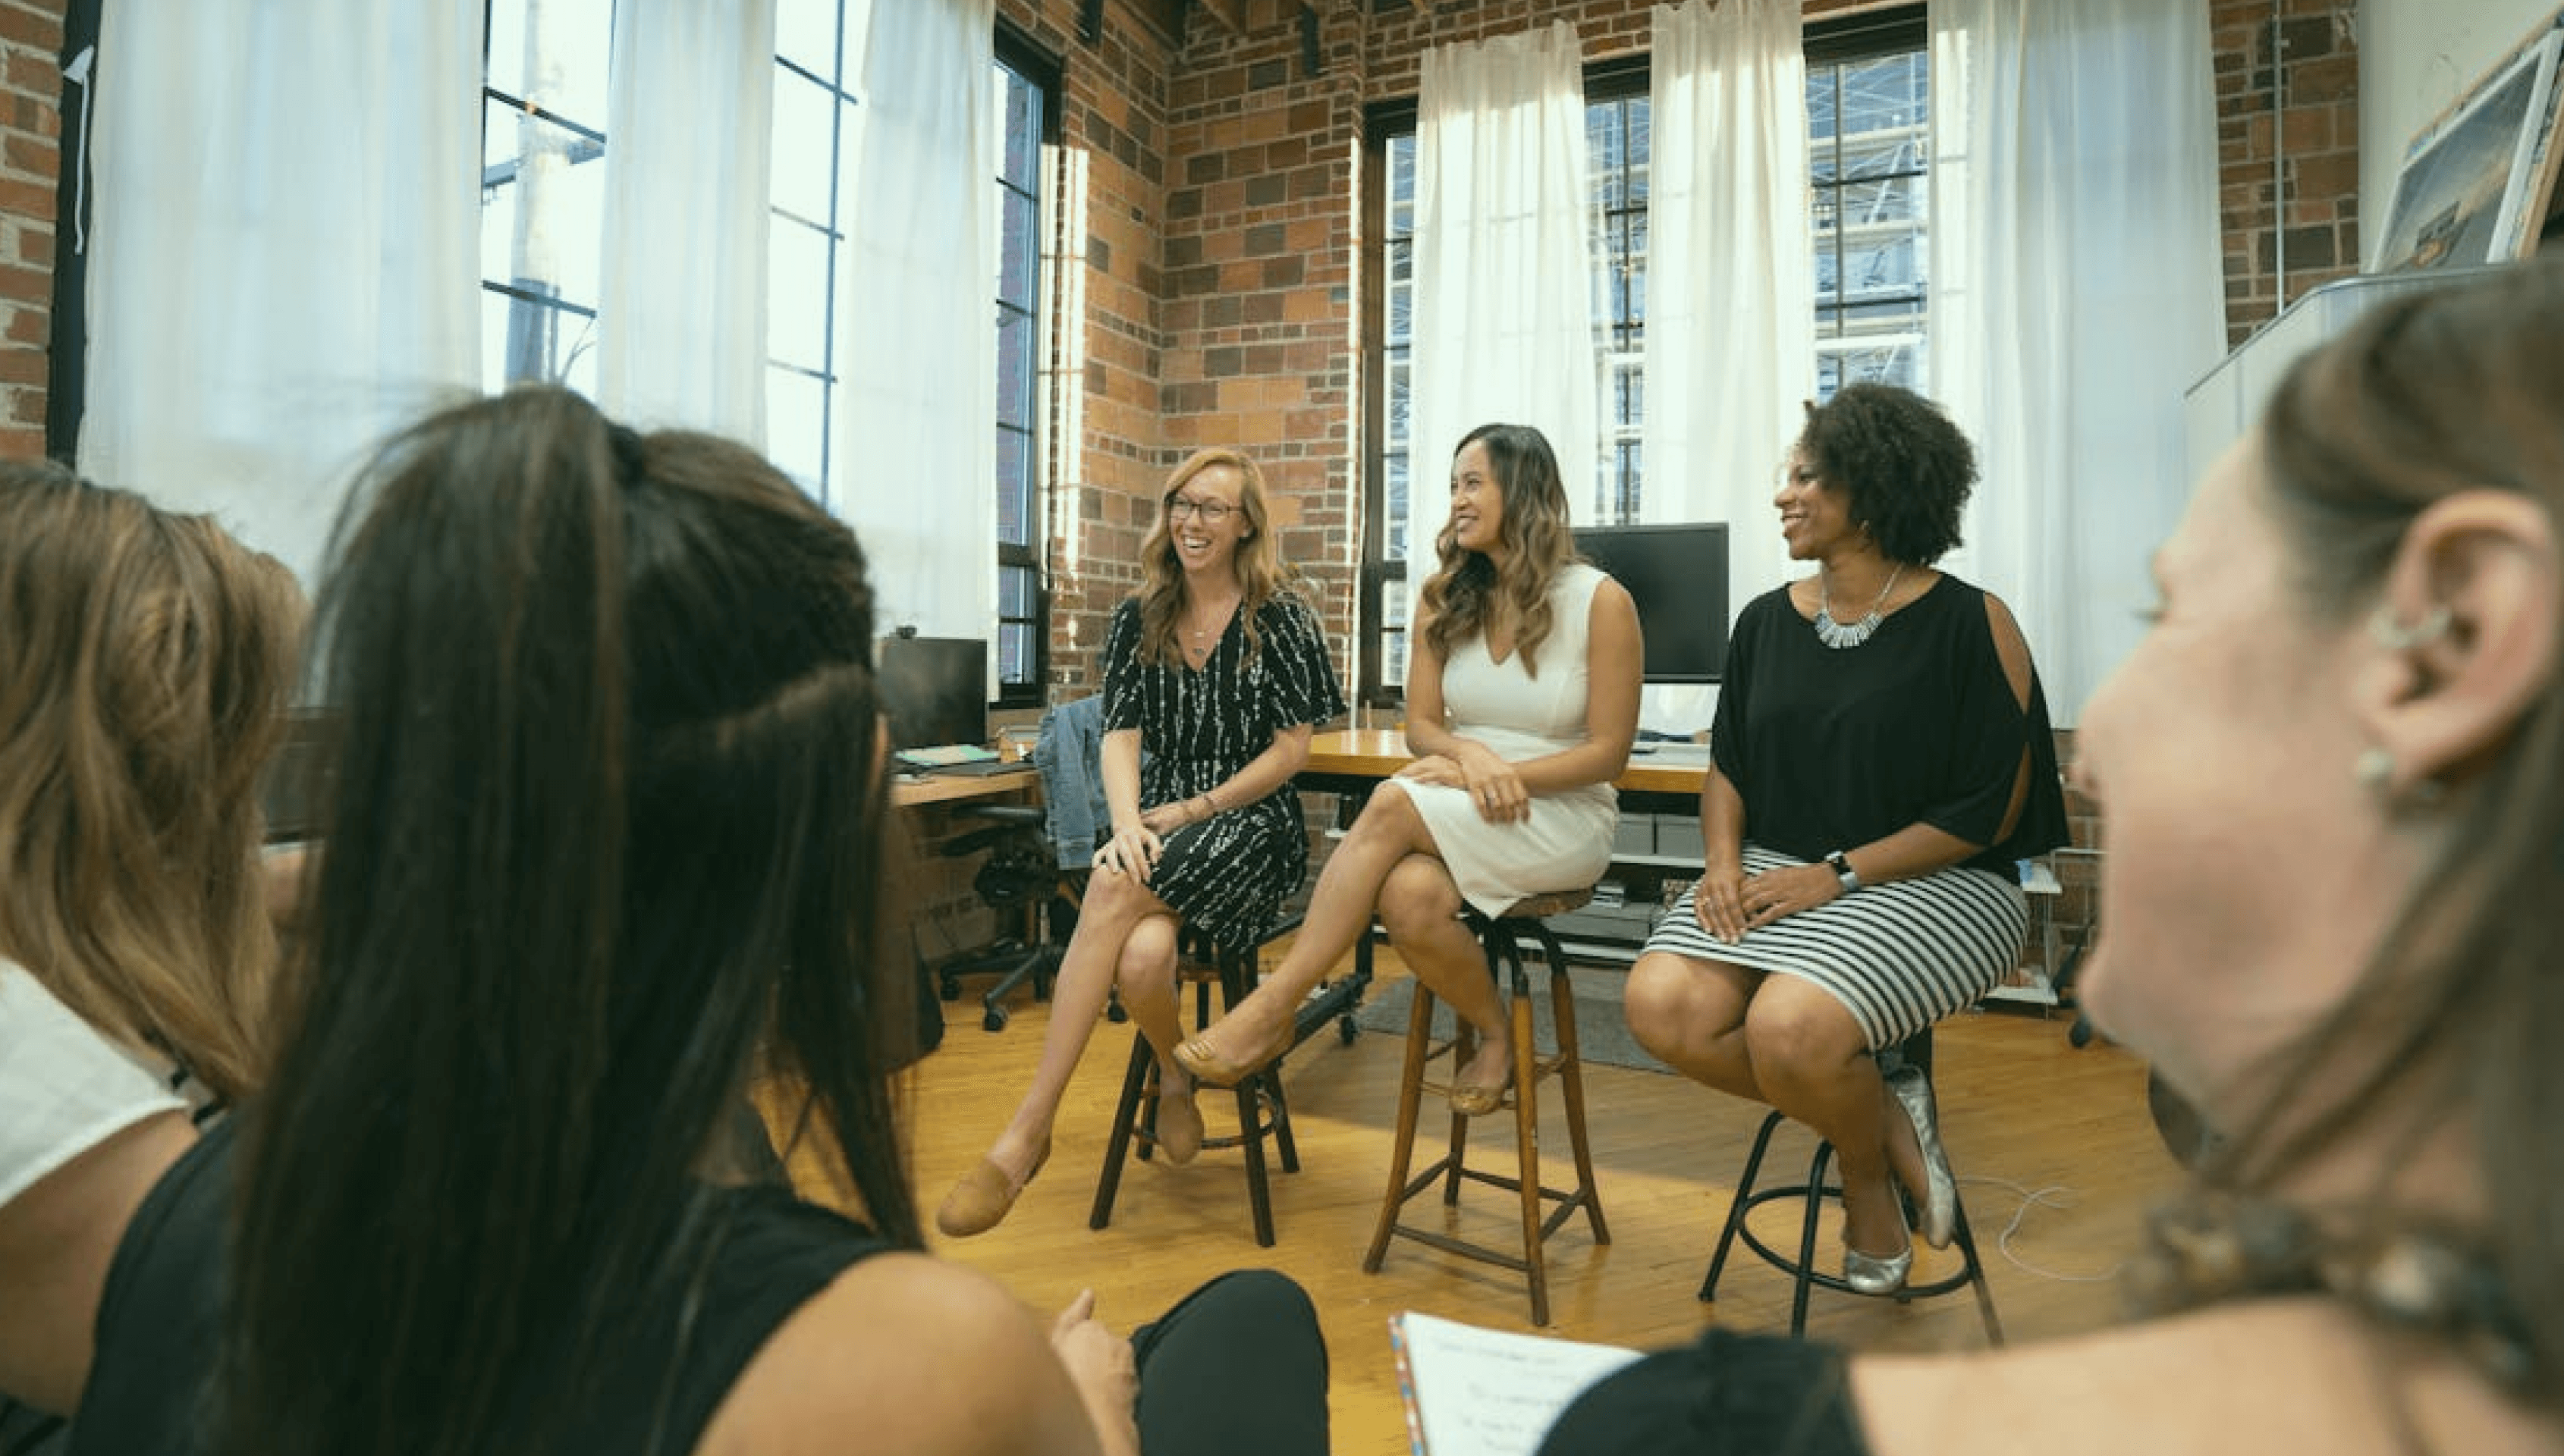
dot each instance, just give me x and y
(1504, 275)
(917, 427)
(681, 336)
(283, 262)
(1730, 286)
(2075, 294)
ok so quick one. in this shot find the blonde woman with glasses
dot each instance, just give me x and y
(1217, 670)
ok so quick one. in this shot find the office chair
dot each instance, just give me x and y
(1021, 876)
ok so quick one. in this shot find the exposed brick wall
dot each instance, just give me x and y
(31, 84)
(2287, 148)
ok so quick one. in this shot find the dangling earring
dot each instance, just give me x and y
(2393, 636)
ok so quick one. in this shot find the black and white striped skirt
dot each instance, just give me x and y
(1900, 955)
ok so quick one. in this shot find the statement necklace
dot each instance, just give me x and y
(1840, 636)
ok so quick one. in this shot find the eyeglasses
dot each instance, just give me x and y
(1211, 513)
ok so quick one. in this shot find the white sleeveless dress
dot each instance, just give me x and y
(1567, 842)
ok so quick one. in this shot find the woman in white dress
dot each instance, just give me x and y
(1522, 698)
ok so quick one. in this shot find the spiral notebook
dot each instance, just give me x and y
(1471, 1391)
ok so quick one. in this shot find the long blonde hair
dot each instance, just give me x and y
(1260, 572)
(1459, 597)
(145, 658)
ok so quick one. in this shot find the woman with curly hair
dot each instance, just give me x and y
(1522, 698)
(2333, 777)
(1880, 759)
(1220, 672)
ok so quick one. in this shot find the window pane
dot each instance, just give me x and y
(560, 64)
(1014, 488)
(1019, 165)
(1393, 511)
(1018, 247)
(1015, 651)
(1015, 369)
(1015, 592)
(537, 341)
(806, 34)
(1402, 186)
(804, 146)
(542, 206)
(796, 426)
(796, 293)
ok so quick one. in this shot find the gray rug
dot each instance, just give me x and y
(1601, 1031)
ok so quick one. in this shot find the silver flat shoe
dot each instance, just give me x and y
(1939, 1214)
(1874, 1273)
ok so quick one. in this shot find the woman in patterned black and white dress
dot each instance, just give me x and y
(1220, 674)
(1872, 782)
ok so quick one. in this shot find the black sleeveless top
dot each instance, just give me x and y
(1765, 1394)
(160, 1320)
(1831, 750)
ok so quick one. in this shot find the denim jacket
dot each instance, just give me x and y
(1070, 754)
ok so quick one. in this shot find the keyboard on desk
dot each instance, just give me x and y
(1669, 756)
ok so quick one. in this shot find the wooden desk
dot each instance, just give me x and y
(907, 792)
(1351, 758)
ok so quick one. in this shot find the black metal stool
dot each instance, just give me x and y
(1501, 939)
(1260, 1106)
(1916, 1052)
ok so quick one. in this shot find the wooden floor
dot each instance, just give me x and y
(2055, 1154)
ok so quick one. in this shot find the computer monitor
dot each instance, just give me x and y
(934, 689)
(1677, 575)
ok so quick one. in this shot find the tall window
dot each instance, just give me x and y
(1867, 148)
(1025, 121)
(544, 110)
(543, 201)
(1868, 108)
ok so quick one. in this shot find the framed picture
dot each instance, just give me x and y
(2473, 185)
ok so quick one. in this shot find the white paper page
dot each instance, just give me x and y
(1489, 1393)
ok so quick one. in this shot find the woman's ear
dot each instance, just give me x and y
(2465, 636)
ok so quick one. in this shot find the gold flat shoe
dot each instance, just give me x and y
(1209, 1068)
(1179, 1128)
(985, 1197)
(1476, 1100)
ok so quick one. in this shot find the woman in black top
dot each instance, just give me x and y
(1215, 675)
(1874, 779)
(605, 839)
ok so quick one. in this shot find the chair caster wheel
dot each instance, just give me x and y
(2080, 1033)
(951, 987)
(994, 1019)
(1346, 1030)
(1114, 1014)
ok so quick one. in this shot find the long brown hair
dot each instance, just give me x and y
(1460, 596)
(2456, 1023)
(605, 834)
(145, 662)
(1260, 572)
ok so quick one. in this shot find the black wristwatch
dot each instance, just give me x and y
(1842, 870)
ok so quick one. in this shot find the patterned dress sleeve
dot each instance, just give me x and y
(1305, 689)
(1125, 695)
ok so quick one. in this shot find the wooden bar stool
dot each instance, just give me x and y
(1501, 938)
(1915, 1052)
(1261, 1110)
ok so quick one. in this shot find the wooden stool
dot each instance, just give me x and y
(1260, 1107)
(1916, 1052)
(1501, 941)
